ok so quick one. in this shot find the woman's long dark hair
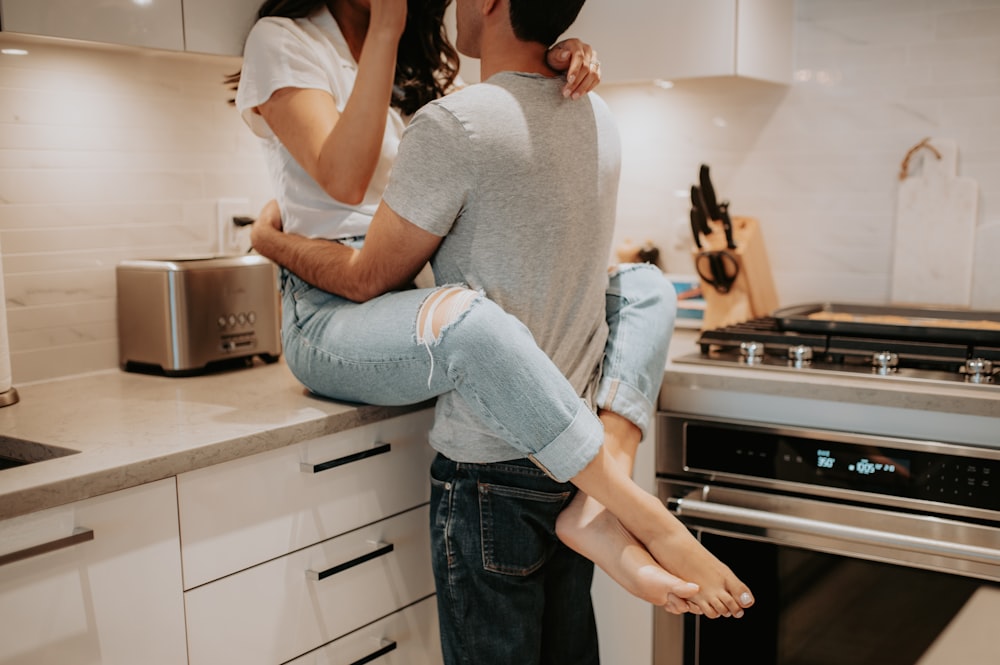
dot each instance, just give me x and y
(426, 62)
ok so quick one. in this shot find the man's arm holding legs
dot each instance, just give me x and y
(394, 252)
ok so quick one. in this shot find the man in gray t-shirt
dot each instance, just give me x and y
(526, 213)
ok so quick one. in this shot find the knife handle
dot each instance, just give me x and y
(727, 224)
(695, 228)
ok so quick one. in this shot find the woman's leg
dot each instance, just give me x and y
(641, 306)
(410, 346)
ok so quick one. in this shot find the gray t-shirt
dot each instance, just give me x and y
(523, 183)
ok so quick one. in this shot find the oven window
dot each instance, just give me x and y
(821, 609)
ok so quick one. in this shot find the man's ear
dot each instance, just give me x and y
(489, 6)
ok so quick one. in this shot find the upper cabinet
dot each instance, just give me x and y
(150, 23)
(644, 40)
(217, 27)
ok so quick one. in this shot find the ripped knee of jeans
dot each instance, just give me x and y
(442, 308)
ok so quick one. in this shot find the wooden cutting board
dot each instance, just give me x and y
(986, 275)
(935, 230)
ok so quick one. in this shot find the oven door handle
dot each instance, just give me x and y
(759, 518)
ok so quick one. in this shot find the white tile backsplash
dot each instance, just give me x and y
(817, 162)
(108, 153)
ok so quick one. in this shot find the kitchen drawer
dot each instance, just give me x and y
(408, 637)
(278, 610)
(237, 514)
(95, 582)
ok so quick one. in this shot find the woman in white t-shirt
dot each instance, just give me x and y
(328, 87)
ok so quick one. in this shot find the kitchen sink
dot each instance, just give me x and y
(18, 452)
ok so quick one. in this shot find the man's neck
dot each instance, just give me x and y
(501, 51)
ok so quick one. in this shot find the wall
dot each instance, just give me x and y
(113, 153)
(817, 161)
(106, 153)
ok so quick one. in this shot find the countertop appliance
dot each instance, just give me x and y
(862, 546)
(188, 316)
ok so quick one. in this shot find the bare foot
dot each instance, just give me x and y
(661, 535)
(721, 593)
(586, 527)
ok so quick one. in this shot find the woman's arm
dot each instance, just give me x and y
(340, 151)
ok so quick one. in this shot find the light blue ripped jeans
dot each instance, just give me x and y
(373, 353)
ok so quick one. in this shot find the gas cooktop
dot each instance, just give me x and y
(886, 342)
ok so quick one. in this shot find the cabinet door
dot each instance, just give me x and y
(151, 23)
(408, 637)
(678, 39)
(218, 27)
(289, 606)
(108, 592)
(246, 511)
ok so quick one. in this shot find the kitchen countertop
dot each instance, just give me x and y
(136, 428)
(132, 428)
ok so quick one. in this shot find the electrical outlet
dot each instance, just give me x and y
(231, 239)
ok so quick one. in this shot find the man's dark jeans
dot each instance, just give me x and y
(508, 592)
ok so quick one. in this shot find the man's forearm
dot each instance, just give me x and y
(325, 264)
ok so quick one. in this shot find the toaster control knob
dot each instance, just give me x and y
(885, 362)
(751, 353)
(800, 355)
(978, 370)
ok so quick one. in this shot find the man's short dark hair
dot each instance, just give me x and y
(543, 21)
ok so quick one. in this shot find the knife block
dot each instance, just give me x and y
(752, 294)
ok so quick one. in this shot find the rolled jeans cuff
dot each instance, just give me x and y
(570, 452)
(627, 401)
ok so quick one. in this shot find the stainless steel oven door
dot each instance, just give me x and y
(837, 583)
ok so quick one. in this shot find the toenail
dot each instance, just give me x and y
(745, 598)
(739, 615)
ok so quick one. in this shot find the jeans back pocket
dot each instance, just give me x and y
(518, 527)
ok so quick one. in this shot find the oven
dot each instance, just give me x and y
(872, 539)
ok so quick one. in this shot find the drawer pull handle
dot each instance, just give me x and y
(79, 535)
(391, 646)
(380, 449)
(382, 550)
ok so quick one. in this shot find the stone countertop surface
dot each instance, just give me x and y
(132, 428)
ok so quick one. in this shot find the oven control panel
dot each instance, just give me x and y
(879, 469)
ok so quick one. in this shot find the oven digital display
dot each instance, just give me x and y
(871, 469)
(866, 468)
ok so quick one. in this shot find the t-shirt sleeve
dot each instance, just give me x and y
(275, 56)
(433, 176)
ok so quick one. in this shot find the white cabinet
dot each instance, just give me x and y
(286, 607)
(150, 23)
(204, 26)
(643, 40)
(218, 27)
(97, 582)
(290, 551)
(408, 637)
(240, 513)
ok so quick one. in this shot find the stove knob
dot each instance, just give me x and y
(978, 370)
(885, 362)
(751, 353)
(800, 356)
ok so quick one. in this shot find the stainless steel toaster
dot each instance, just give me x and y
(185, 316)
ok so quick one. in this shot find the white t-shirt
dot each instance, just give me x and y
(308, 53)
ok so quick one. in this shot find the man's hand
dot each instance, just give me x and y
(265, 228)
(579, 61)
